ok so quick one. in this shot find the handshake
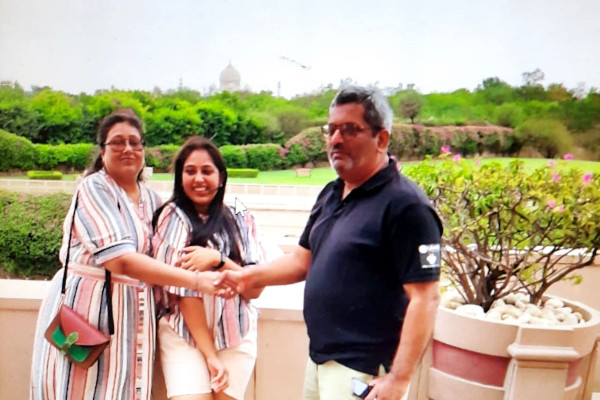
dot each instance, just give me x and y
(211, 277)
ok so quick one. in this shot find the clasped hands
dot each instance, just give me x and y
(224, 283)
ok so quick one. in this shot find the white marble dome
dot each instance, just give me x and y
(230, 79)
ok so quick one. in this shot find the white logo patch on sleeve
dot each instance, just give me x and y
(430, 255)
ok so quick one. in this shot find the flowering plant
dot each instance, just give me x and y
(508, 229)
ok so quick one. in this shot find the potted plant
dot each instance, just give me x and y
(510, 233)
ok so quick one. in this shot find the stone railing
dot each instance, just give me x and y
(282, 342)
(48, 186)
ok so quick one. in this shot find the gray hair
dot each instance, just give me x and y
(378, 113)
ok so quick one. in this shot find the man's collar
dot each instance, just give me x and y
(383, 176)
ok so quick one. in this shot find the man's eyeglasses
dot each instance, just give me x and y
(119, 144)
(347, 130)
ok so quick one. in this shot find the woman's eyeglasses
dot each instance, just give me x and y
(347, 130)
(119, 144)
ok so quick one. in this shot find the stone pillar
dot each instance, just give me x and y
(539, 368)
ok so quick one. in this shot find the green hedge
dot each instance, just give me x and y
(265, 156)
(74, 156)
(16, 152)
(160, 157)
(50, 175)
(417, 141)
(242, 172)
(258, 156)
(307, 146)
(31, 233)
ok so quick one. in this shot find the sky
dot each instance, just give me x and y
(292, 47)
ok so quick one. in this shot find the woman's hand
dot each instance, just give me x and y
(209, 282)
(198, 258)
(219, 377)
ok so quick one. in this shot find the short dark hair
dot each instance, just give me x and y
(126, 115)
(378, 113)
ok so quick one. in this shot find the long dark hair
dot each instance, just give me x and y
(220, 219)
(126, 115)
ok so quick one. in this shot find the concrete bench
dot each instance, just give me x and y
(303, 171)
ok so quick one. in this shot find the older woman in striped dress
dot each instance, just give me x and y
(111, 230)
(207, 344)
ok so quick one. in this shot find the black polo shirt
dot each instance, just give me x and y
(364, 248)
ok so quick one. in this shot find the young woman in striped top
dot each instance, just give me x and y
(111, 231)
(207, 344)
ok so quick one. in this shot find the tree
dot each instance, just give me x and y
(410, 104)
(549, 137)
(59, 118)
(557, 92)
(533, 78)
(495, 91)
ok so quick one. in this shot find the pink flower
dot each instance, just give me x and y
(560, 208)
(568, 156)
(445, 149)
(456, 158)
(477, 162)
(551, 163)
(551, 204)
(587, 178)
(555, 177)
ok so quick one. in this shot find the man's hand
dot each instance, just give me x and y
(198, 258)
(233, 280)
(210, 282)
(387, 388)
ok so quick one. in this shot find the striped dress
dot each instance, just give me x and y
(107, 225)
(229, 320)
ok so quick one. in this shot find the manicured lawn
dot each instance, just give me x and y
(320, 176)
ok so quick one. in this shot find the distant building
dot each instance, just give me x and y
(230, 79)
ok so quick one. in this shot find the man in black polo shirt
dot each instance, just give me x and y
(370, 255)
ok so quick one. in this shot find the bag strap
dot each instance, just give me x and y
(107, 274)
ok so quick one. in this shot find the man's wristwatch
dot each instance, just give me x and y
(222, 261)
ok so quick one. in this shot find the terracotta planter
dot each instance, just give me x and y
(479, 359)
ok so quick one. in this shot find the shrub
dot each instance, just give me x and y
(296, 155)
(49, 175)
(507, 229)
(549, 137)
(235, 156)
(15, 152)
(291, 121)
(161, 157)
(31, 232)
(310, 143)
(264, 156)
(75, 156)
(509, 115)
(242, 172)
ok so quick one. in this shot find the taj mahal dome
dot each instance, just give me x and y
(230, 79)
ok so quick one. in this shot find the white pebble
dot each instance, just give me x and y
(533, 310)
(498, 303)
(548, 315)
(512, 311)
(471, 310)
(570, 319)
(525, 318)
(520, 304)
(565, 310)
(511, 298)
(493, 315)
(554, 303)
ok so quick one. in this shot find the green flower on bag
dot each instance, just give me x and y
(69, 341)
